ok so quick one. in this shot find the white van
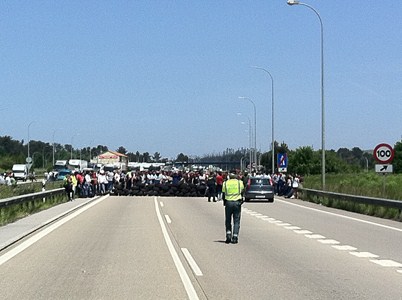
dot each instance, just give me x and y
(20, 172)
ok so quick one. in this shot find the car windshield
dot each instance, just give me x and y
(258, 181)
(63, 173)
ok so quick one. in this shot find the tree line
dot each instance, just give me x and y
(303, 160)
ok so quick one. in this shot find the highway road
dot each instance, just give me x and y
(173, 248)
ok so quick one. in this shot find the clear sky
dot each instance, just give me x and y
(158, 75)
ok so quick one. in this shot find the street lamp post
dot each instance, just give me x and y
(255, 128)
(296, 2)
(72, 138)
(29, 158)
(54, 131)
(272, 117)
(250, 138)
(250, 143)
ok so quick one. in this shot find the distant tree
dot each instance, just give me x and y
(146, 157)
(397, 162)
(122, 150)
(137, 156)
(182, 158)
(282, 148)
(303, 161)
(157, 157)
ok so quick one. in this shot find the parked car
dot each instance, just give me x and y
(62, 174)
(259, 188)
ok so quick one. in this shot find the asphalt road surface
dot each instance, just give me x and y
(173, 248)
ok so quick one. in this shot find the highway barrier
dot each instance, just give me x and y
(18, 207)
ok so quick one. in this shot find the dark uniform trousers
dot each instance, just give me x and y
(233, 208)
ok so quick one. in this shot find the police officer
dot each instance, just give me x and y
(232, 190)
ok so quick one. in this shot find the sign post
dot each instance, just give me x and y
(384, 154)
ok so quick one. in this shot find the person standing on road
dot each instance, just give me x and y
(232, 190)
(219, 183)
(211, 184)
(68, 186)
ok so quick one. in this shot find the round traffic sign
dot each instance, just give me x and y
(28, 160)
(383, 153)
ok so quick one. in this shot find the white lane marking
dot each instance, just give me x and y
(386, 263)
(364, 254)
(255, 214)
(302, 231)
(261, 217)
(344, 247)
(168, 219)
(191, 261)
(275, 222)
(399, 271)
(315, 236)
(342, 216)
(292, 227)
(161, 203)
(329, 242)
(282, 224)
(191, 293)
(29, 242)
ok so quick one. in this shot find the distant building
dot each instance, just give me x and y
(114, 158)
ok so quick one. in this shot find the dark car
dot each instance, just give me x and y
(259, 188)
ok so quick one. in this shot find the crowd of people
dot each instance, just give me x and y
(166, 183)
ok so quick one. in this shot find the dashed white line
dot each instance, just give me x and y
(292, 227)
(315, 236)
(191, 261)
(302, 231)
(255, 214)
(168, 219)
(386, 263)
(329, 242)
(364, 254)
(342, 216)
(344, 247)
(334, 243)
(283, 224)
(188, 286)
(161, 203)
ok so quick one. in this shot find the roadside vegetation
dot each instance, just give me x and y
(362, 184)
(27, 188)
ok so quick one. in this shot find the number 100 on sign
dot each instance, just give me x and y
(383, 153)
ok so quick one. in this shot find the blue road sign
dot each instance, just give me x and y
(282, 162)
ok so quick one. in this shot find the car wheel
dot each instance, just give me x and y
(271, 200)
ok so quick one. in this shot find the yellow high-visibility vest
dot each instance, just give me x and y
(233, 189)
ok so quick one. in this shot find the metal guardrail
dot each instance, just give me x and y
(354, 198)
(308, 192)
(31, 197)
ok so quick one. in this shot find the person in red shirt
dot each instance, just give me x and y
(219, 183)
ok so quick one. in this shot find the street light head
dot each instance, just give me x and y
(293, 2)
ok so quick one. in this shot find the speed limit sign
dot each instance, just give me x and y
(383, 153)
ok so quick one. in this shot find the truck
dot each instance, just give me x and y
(77, 164)
(60, 165)
(20, 172)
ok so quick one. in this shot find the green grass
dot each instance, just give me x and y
(363, 184)
(14, 212)
(27, 188)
